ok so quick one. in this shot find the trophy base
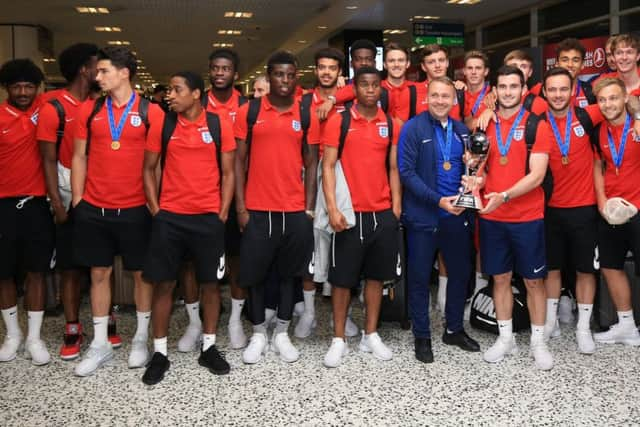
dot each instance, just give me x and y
(468, 201)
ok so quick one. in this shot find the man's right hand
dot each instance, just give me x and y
(60, 214)
(337, 221)
(243, 219)
(324, 110)
(446, 203)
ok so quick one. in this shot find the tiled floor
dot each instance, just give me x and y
(458, 389)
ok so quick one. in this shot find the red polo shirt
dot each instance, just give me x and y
(399, 99)
(48, 123)
(530, 206)
(20, 161)
(114, 177)
(225, 110)
(470, 99)
(190, 179)
(274, 179)
(364, 158)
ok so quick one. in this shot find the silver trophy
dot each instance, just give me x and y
(478, 147)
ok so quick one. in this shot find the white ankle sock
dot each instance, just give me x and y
(584, 317)
(552, 311)
(505, 328)
(282, 326)
(537, 333)
(207, 341)
(442, 292)
(625, 318)
(142, 331)
(268, 315)
(160, 345)
(100, 330)
(34, 322)
(10, 317)
(193, 311)
(236, 310)
(309, 302)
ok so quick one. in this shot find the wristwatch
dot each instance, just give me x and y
(636, 116)
(332, 99)
(505, 197)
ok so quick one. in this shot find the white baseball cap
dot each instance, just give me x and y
(618, 211)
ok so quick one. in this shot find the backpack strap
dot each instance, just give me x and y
(168, 127)
(588, 93)
(390, 132)
(213, 124)
(530, 130)
(252, 117)
(413, 100)
(528, 101)
(384, 99)
(344, 129)
(595, 145)
(143, 111)
(204, 99)
(585, 121)
(242, 100)
(97, 106)
(460, 97)
(61, 122)
(305, 119)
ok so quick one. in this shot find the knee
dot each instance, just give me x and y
(534, 285)
(100, 275)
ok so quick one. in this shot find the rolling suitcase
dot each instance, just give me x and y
(604, 313)
(395, 300)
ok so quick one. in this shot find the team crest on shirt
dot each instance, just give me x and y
(206, 137)
(583, 103)
(636, 138)
(518, 134)
(383, 131)
(579, 131)
(135, 121)
(34, 118)
(296, 125)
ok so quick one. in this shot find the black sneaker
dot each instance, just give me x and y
(423, 350)
(156, 369)
(213, 360)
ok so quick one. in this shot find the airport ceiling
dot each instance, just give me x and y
(169, 35)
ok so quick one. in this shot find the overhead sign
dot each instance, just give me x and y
(595, 60)
(440, 33)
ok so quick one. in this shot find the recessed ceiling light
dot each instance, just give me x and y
(245, 15)
(119, 42)
(230, 32)
(218, 44)
(425, 17)
(108, 29)
(351, 7)
(86, 9)
(302, 41)
(395, 31)
(468, 2)
(322, 27)
(49, 59)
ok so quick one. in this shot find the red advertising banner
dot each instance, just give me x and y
(595, 61)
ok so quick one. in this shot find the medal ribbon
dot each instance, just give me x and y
(117, 131)
(483, 92)
(564, 146)
(504, 148)
(445, 146)
(617, 155)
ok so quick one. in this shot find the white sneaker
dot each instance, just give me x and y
(298, 309)
(565, 310)
(541, 355)
(282, 345)
(10, 348)
(336, 352)
(139, 355)
(501, 348)
(326, 289)
(552, 332)
(256, 348)
(585, 342)
(36, 350)
(619, 334)
(191, 339)
(95, 357)
(373, 344)
(237, 337)
(304, 326)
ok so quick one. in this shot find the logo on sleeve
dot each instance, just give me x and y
(296, 125)
(579, 131)
(206, 137)
(135, 120)
(518, 134)
(383, 131)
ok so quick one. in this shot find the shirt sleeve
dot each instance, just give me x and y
(314, 133)
(48, 122)
(331, 135)
(228, 142)
(539, 106)
(595, 114)
(80, 129)
(154, 137)
(544, 136)
(240, 124)
(346, 94)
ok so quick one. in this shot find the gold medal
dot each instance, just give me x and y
(115, 145)
(446, 165)
(565, 160)
(504, 160)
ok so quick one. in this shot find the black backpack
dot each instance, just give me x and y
(384, 101)
(143, 111)
(528, 101)
(483, 313)
(344, 129)
(460, 97)
(61, 122)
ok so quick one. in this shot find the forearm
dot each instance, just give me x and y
(525, 185)
(329, 185)
(50, 167)
(396, 189)
(151, 188)
(228, 184)
(598, 182)
(78, 176)
(240, 180)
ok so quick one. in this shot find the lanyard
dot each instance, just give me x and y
(483, 92)
(504, 148)
(563, 145)
(445, 146)
(617, 155)
(116, 131)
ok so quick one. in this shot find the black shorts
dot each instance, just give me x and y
(283, 238)
(26, 236)
(173, 236)
(370, 249)
(614, 241)
(232, 235)
(571, 235)
(101, 234)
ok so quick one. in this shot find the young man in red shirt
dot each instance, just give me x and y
(397, 62)
(188, 214)
(511, 223)
(26, 229)
(616, 175)
(110, 212)
(434, 61)
(626, 54)
(476, 71)
(273, 202)
(371, 246)
(521, 59)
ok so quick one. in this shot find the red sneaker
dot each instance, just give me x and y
(72, 341)
(114, 338)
